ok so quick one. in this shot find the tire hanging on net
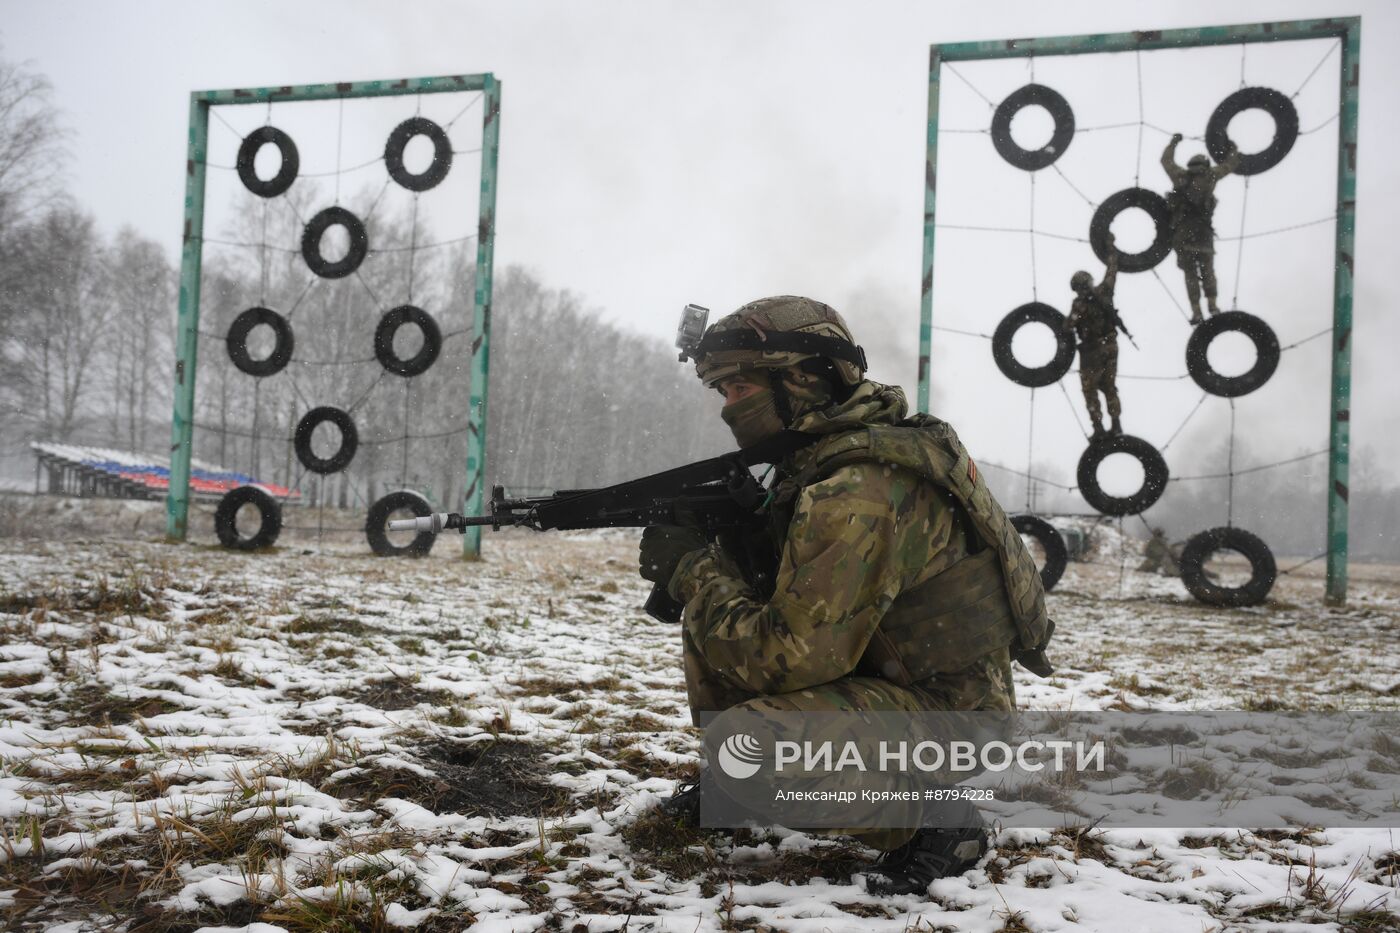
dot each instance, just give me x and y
(376, 525)
(226, 519)
(282, 347)
(1263, 570)
(1154, 474)
(1051, 541)
(1276, 105)
(1028, 96)
(349, 440)
(311, 243)
(247, 162)
(1034, 312)
(399, 139)
(389, 325)
(1266, 352)
(1156, 207)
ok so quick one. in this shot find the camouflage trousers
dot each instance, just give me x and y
(984, 685)
(1098, 372)
(1198, 265)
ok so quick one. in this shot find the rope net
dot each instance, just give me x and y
(340, 223)
(1004, 240)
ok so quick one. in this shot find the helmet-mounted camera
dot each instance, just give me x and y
(691, 330)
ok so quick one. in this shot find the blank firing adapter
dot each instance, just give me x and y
(432, 524)
(691, 330)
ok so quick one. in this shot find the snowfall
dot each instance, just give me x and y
(314, 738)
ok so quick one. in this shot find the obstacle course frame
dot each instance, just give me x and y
(1345, 29)
(191, 267)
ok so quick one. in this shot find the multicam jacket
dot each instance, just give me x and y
(864, 534)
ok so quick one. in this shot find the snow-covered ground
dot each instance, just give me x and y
(318, 739)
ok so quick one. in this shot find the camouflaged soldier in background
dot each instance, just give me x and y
(1094, 320)
(901, 584)
(1192, 203)
(1157, 556)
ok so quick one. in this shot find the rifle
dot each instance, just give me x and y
(719, 496)
(1118, 321)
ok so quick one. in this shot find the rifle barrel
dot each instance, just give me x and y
(438, 521)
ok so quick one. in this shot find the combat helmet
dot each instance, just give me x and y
(1198, 162)
(775, 333)
(1080, 279)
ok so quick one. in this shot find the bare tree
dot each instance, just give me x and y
(67, 311)
(141, 284)
(32, 137)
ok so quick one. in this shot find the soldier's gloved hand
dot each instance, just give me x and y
(662, 548)
(1177, 137)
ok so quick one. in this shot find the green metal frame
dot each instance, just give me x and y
(177, 500)
(1348, 30)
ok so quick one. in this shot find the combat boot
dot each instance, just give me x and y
(1117, 427)
(683, 806)
(930, 855)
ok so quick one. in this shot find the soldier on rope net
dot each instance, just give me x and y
(1192, 203)
(880, 524)
(1094, 320)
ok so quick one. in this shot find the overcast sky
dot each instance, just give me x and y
(659, 153)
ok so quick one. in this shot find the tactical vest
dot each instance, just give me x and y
(990, 599)
(1096, 321)
(1192, 203)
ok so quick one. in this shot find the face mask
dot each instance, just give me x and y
(753, 418)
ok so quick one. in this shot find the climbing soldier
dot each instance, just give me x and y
(900, 584)
(1192, 203)
(1094, 320)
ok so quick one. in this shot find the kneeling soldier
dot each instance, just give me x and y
(901, 584)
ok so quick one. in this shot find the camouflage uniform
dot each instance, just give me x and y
(854, 539)
(1192, 203)
(1158, 557)
(1093, 319)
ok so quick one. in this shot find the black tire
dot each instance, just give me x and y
(311, 243)
(286, 172)
(1154, 474)
(433, 175)
(389, 325)
(1273, 103)
(1056, 555)
(1060, 112)
(226, 519)
(1263, 570)
(237, 342)
(349, 440)
(377, 522)
(1034, 312)
(1266, 351)
(1156, 207)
